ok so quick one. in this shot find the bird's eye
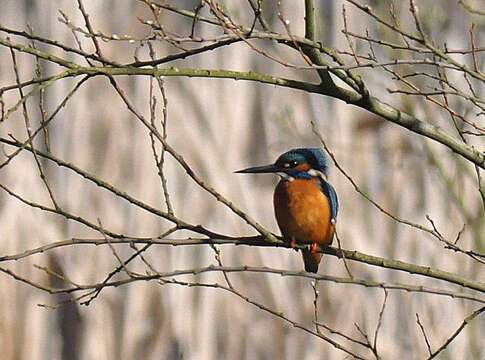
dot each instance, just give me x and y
(290, 164)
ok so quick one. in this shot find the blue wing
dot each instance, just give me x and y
(329, 191)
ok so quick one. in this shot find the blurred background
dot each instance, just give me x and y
(220, 126)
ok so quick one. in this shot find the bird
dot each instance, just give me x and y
(305, 203)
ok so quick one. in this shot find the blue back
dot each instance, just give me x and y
(330, 192)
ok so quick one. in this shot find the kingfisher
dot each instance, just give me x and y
(305, 203)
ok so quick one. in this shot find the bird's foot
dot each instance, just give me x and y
(314, 248)
(293, 244)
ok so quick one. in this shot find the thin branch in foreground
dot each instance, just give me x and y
(347, 337)
(266, 309)
(465, 322)
(28, 128)
(89, 27)
(281, 272)
(46, 122)
(379, 323)
(160, 161)
(190, 172)
(63, 213)
(262, 241)
(431, 231)
(316, 293)
(364, 335)
(428, 346)
(114, 251)
(123, 265)
(123, 195)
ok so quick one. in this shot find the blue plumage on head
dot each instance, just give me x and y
(313, 156)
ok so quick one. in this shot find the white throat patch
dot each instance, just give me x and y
(317, 173)
(286, 177)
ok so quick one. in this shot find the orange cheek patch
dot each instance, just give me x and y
(302, 167)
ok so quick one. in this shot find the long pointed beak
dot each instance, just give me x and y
(260, 170)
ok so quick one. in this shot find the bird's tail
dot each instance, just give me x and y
(311, 260)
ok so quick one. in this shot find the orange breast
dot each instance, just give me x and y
(303, 212)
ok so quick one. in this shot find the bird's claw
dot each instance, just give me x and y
(314, 248)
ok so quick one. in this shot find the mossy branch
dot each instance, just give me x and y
(327, 88)
(252, 240)
(371, 103)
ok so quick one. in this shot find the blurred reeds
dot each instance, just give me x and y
(220, 126)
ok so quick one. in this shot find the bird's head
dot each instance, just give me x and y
(302, 163)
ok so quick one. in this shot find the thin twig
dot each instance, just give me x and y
(465, 322)
(428, 346)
